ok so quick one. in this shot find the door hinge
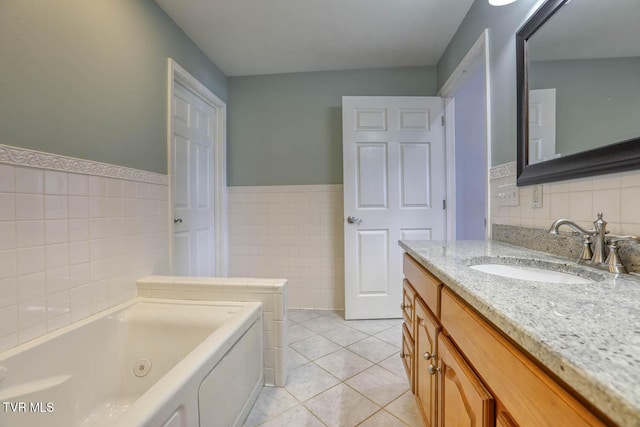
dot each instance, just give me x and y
(485, 223)
(444, 204)
(443, 120)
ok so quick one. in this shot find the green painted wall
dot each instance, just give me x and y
(286, 129)
(597, 100)
(503, 23)
(88, 79)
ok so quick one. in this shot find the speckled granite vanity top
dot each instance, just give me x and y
(587, 334)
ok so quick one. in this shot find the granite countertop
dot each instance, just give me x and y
(587, 334)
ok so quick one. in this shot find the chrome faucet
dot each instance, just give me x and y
(595, 243)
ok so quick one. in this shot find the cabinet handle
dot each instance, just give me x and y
(403, 355)
(433, 370)
(428, 355)
(403, 306)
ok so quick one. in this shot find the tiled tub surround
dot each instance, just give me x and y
(588, 335)
(292, 231)
(272, 293)
(73, 244)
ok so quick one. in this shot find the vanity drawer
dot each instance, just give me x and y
(530, 395)
(425, 284)
(407, 356)
(408, 306)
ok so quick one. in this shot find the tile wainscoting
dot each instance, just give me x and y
(292, 231)
(75, 236)
(616, 195)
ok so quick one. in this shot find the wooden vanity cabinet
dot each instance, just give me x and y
(531, 396)
(408, 299)
(408, 333)
(464, 372)
(504, 420)
(408, 356)
(427, 328)
(464, 400)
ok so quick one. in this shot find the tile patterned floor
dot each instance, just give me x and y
(341, 374)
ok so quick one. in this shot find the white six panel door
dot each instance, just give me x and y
(542, 125)
(192, 185)
(394, 188)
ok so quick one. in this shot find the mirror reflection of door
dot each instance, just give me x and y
(542, 125)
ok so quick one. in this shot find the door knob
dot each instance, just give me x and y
(353, 220)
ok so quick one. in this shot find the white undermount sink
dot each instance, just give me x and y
(533, 274)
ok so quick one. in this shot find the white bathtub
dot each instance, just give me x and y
(206, 368)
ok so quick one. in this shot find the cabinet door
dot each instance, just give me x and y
(505, 420)
(407, 357)
(408, 298)
(464, 401)
(530, 395)
(426, 356)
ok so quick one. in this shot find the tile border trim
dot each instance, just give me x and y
(25, 157)
(503, 170)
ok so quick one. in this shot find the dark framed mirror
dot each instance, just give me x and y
(578, 89)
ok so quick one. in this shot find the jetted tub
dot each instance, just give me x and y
(147, 362)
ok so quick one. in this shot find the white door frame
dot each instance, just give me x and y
(177, 74)
(478, 55)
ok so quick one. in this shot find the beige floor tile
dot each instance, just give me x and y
(379, 385)
(295, 359)
(308, 380)
(382, 419)
(392, 335)
(298, 332)
(271, 402)
(318, 384)
(315, 347)
(343, 364)
(298, 416)
(373, 349)
(334, 314)
(369, 326)
(341, 406)
(395, 322)
(344, 335)
(321, 324)
(406, 408)
(394, 365)
(302, 315)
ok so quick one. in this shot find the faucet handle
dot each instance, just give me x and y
(614, 263)
(586, 253)
(613, 238)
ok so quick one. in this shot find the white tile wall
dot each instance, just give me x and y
(616, 195)
(294, 232)
(72, 245)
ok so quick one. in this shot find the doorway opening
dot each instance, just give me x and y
(196, 140)
(468, 136)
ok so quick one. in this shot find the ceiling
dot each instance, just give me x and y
(248, 37)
